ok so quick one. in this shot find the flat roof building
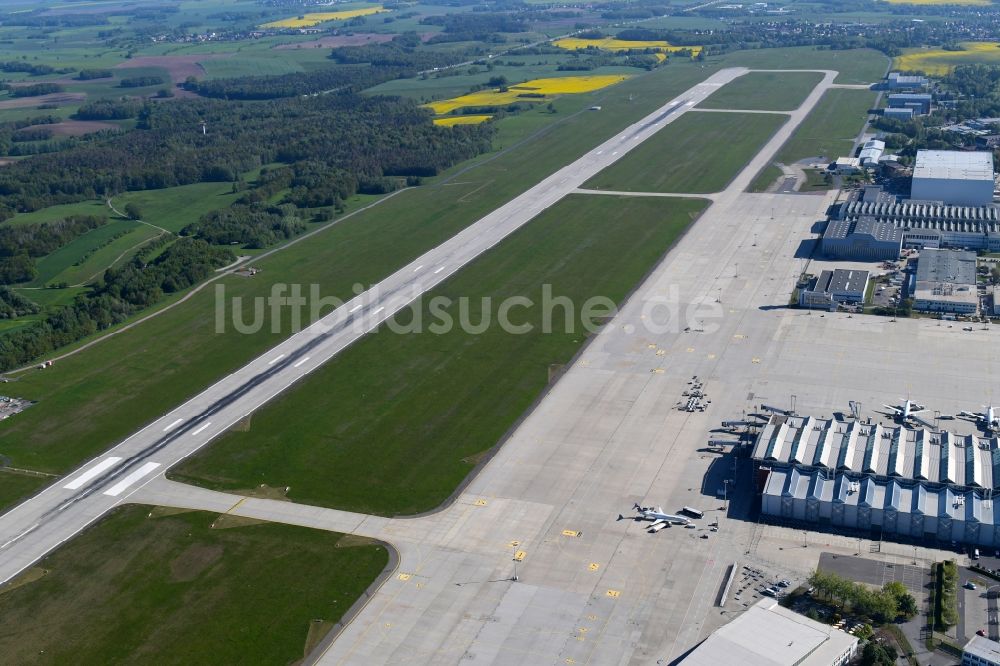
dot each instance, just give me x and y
(834, 287)
(981, 651)
(953, 177)
(898, 114)
(897, 81)
(946, 282)
(769, 635)
(847, 165)
(919, 102)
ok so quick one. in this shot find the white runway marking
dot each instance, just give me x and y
(276, 359)
(377, 311)
(355, 307)
(201, 428)
(438, 270)
(22, 534)
(119, 488)
(301, 362)
(91, 473)
(172, 425)
(418, 268)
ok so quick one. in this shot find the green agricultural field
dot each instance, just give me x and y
(149, 585)
(53, 213)
(15, 487)
(87, 256)
(98, 397)
(698, 152)
(829, 131)
(174, 208)
(764, 91)
(453, 395)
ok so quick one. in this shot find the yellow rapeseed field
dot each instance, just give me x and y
(981, 3)
(448, 121)
(307, 20)
(612, 44)
(938, 62)
(534, 91)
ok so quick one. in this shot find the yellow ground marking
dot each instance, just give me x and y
(690, 349)
(756, 360)
(480, 502)
(592, 617)
(513, 544)
(582, 630)
(657, 371)
(594, 566)
(614, 594)
(237, 505)
(404, 576)
(520, 555)
(661, 353)
(711, 356)
(572, 533)
(651, 346)
(570, 660)
(739, 336)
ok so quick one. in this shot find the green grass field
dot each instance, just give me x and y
(15, 487)
(153, 586)
(174, 208)
(698, 152)
(452, 395)
(765, 91)
(52, 213)
(856, 66)
(87, 256)
(828, 131)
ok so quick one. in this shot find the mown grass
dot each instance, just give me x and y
(395, 422)
(698, 152)
(100, 396)
(89, 255)
(174, 208)
(14, 487)
(829, 131)
(764, 91)
(170, 589)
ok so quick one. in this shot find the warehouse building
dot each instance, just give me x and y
(919, 102)
(897, 81)
(953, 177)
(946, 282)
(898, 114)
(981, 651)
(863, 239)
(871, 152)
(768, 634)
(835, 287)
(899, 482)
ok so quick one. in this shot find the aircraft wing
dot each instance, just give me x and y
(892, 409)
(657, 526)
(656, 523)
(922, 421)
(972, 415)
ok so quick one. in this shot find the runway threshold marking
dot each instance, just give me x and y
(121, 486)
(92, 473)
(276, 359)
(301, 362)
(173, 425)
(199, 430)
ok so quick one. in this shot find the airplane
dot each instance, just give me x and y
(988, 418)
(905, 411)
(660, 519)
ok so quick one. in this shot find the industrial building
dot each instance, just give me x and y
(863, 239)
(946, 282)
(835, 287)
(953, 177)
(897, 81)
(981, 651)
(898, 114)
(847, 166)
(919, 102)
(898, 482)
(768, 634)
(871, 152)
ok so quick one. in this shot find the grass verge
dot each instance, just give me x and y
(144, 587)
(698, 152)
(395, 423)
(14, 486)
(764, 91)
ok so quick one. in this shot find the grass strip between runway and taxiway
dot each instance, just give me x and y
(396, 422)
(148, 585)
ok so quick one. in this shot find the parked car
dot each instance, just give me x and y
(969, 585)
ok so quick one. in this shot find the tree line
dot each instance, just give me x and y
(21, 244)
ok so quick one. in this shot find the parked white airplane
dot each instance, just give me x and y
(906, 410)
(660, 519)
(988, 419)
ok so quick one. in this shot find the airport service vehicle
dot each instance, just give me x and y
(694, 513)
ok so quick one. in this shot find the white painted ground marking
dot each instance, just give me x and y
(301, 362)
(438, 270)
(354, 308)
(91, 473)
(378, 310)
(119, 488)
(418, 268)
(172, 425)
(276, 359)
(22, 534)
(201, 428)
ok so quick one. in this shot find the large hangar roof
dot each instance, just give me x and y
(954, 165)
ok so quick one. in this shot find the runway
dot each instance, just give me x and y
(32, 529)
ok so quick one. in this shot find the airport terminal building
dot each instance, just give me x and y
(894, 482)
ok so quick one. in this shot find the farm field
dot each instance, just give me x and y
(153, 585)
(536, 90)
(102, 395)
(764, 91)
(469, 119)
(453, 394)
(938, 62)
(828, 131)
(53, 213)
(698, 152)
(315, 18)
(974, 3)
(86, 257)
(616, 45)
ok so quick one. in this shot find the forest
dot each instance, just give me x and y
(21, 244)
